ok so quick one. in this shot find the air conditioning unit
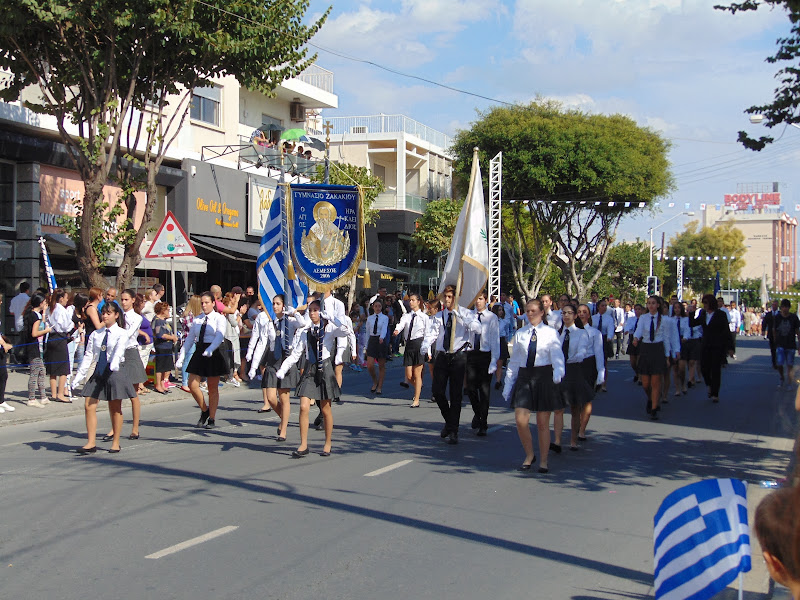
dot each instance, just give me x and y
(297, 112)
(359, 129)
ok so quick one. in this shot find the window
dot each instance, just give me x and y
(7, 196)
(271, 127)
(205, 104)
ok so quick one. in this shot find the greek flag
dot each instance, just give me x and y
(701, 539)
(270, 266)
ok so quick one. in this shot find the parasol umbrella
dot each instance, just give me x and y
(315, 143)
(271, 127)
(764, 291)
(294, 135)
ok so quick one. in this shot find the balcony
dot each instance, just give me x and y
(318, 77)
(389, 124)
(390, 201)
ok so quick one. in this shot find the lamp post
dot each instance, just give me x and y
(684, 213)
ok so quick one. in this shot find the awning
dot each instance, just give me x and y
(233, 249)
(376, 268)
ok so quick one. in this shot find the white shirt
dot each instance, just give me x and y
(16, 306)
(735, 319)
(672, 333)
(259, 329)
(579, 343)
(554, 319)
(341, 342)
(332, 332)
(619, 318)
(490, 336)
(149, 310)
(59, 320)
(115, 350)
(267, 336)
(630, 324)
(596, 349)
(133, 322)
(464, 322)
(604, 323)
(548, 352)
(214, 335)
(662, 333)
(383, 325)
(419, 329)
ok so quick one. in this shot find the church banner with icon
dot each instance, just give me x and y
(326, 234)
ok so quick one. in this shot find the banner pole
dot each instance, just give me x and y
(741, 585)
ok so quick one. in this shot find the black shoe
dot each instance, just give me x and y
(281, 439)
(647, 406)
(482, 431)
(265, 410)
(544, 470)
(582, 439)
(323, 453)
(210, 424)
(318, 420)
(404, 384)
(453, 438)
(476, 422)
(445, 431)
(524, 467)
(555, 448)
(112, 451)
(432, 400)
(133, 436)
(299, 453)
(690, 384)
(83, 451)
(574, 448)
(338, 401)
(108, 438)
(203, 417)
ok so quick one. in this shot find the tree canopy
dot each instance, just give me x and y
(347, 174)
(708, 242)
(562, 168)
(118, 78)
(784, 107)
(436, 226)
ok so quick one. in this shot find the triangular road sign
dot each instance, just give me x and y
(170, 240)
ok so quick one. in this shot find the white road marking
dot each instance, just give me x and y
(495, 428)
(396, 465)
(192, 542)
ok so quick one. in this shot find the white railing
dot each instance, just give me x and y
(389, 124)
(318, 77)
(390, 201)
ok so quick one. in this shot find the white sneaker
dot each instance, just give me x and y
(204, 387)
(44, 401)
(234, 382)
(2, 410)
(35, 403)
(7, 407)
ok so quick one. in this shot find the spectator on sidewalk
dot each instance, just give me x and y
(110, 296)
(56, 352)
(18, 303)
(164, 339)
(5, 348)
(33, 332)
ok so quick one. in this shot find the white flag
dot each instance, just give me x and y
(469, 250)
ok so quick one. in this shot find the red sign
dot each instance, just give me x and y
(745, 201)
(170, 240)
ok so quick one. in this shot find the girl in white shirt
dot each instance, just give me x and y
(132, 365)
(107, 382)
(377, 330)
(652, 337)
(208, 329)
(575, 389)
(533, 374)
(594, 365)
(56, 354)
(414, 325)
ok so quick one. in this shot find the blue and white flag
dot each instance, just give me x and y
(271, 267)
(48, 267)
(701, 539)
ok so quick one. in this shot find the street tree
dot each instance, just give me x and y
(118, 79)
(435, 228)
(714, 243)
(783, 110)
(626, 271)
(572, 176)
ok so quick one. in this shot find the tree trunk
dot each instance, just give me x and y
(88, 263)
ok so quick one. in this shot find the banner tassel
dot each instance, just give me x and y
(290, 271)
(367, 282)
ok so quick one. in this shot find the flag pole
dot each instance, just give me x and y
(472, 177)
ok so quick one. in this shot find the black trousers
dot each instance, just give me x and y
(711, 368)
(479, 383)
(620, 342)
(772, 354)
(449, 369)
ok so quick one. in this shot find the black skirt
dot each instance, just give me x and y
(412, 355)
(270, 378)
(165, 361)
(691, 349)
(375, 349)
(632, 350)
(652, 360)
(534, 389)
(589, 366)
(132, 367)
(210, 366)
(575, 388)
(319, 384)
(56, 355)
(109, 386)
(608, 348)
(504, 355)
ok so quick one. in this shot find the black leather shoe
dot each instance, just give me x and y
(108, 438)
(299, 453)
(133, 436)
(555, 448)
(453, 438)
(404, 384)
(647, 406)
(445, 431)
(476, 422)
(91, 450)
(281, 439)
(203, 417)
(482, 431)
(210, 424)
(112, 451)
(524, 467)
(544, 470)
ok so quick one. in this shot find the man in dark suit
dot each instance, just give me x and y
(715, 345)
(768, 329)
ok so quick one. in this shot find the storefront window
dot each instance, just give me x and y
(8, 195)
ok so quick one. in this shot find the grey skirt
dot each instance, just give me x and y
(112, 385)
(652, 360)
(132, 368)
(270, 378)
(534, 389)
(319, 384)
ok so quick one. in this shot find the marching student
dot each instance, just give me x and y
(633, 350)
(594, 366)
(619, 320)
(413, 325)
(272, 346)
(653, 339)
(208, 329)
(603, 321)
(576, 391)
(786, 329)
(318, 382)
(132, 366)
(482, 362)
(671, 330)
(506, 333)
(448, 335)
(692, 352)
(108, 381)
(534, 372)
(684, 332)
(378, 331)
(431, 309)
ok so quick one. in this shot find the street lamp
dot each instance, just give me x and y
(682, 214)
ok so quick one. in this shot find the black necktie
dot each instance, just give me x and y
(478, 335)
(278, 350)
(102, 359)
(679, 329)
(202, 332)
(375, 328)
(532, 351)
(411, 325)
(448, 331)
(652, 328)
(600, 324)
(565, 345)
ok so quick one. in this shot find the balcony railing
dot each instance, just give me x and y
(318, 77)
(389, 124)
(390, 201)
(271, 157)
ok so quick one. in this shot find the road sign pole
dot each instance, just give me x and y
(174, 295)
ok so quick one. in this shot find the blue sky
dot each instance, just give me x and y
(680, 67)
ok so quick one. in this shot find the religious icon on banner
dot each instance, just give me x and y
(326, 233)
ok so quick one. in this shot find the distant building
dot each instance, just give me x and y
(769, 233)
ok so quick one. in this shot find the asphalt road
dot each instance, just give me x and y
(188, 513)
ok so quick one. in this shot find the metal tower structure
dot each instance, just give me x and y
(495, 196)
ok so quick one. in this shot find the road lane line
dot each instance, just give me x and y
(192, 542)
(495, 428)
(396, 465)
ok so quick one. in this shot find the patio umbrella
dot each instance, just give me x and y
(315, 143)
(764, 291)
(294, 135)
(271, 127)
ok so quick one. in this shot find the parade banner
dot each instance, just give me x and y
(325, 234)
